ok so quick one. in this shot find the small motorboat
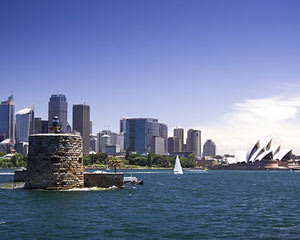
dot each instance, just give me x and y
(133, 181)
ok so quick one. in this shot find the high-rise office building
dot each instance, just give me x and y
(163, 133)
(58, 106)
(93, 143)
(179, 134)
(178, 146)
(24, 124)
(139, 134)
(81, 123)
(158, 145)
(105, 141)
(7, 119)
(40, 126)
(123, 132)
(194, 142)
(109, 138)
(175, 145)
(209, 149)
(101, 141)
(91, 127)
(120, 142)
(22, 147)
(123, 125)
(189, 140)
(171, 145)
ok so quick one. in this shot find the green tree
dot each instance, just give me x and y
(160, 161)
(17, 160)
(101, 158)
(192, 156)
(188, 162)
(149, 160)
(127, 156)
(115, 162)
(86, 160)
(14, 160)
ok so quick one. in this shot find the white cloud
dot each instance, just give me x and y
(253, 119)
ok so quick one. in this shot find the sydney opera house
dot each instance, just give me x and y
(264, 150)
(263, 155)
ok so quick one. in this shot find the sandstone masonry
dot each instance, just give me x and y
(55, 162)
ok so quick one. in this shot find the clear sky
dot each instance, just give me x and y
(196, 64)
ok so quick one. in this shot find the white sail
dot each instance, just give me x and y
(107, 168)
(177, 168)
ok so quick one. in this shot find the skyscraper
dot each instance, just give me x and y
(109, 138)
(24, 124)
(93, 143)
(122, 132)
(209, 149)
(171, 145)
(7, 119)
(58, 106)
(179, 134)
(174, 145)
(81, 123)
(40, 126)
(139, 134)
(189, 140)
(194, 142)
(105, 141)
(123, 125)
(121, 141)
(91, 127)
(178, 146)
(163, 133)
(158, 145)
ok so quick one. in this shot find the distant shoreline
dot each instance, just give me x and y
(213, 168)
(124, 167)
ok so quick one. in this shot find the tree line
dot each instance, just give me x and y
(138, 160)
(16, 161)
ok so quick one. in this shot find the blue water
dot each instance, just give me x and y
(195, 205)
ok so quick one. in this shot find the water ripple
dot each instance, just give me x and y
(218, 205)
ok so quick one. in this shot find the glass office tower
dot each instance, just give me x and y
(7, 119)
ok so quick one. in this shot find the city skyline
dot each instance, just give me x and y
(229, 70)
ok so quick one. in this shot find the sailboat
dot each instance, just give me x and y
(177, 168)
(107, 168)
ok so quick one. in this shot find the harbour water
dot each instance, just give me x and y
(195, 205)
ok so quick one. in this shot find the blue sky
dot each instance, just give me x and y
(188, 63)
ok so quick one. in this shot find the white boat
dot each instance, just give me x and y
(107, 168)
(177, 168)
(133, 180)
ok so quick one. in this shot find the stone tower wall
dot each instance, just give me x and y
(55, 162)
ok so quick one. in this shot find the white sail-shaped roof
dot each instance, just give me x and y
(268, 144)
(276, 149)
(253, 151)
(283, 154)
(256, 154)
(262, 150)
(265, 155)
